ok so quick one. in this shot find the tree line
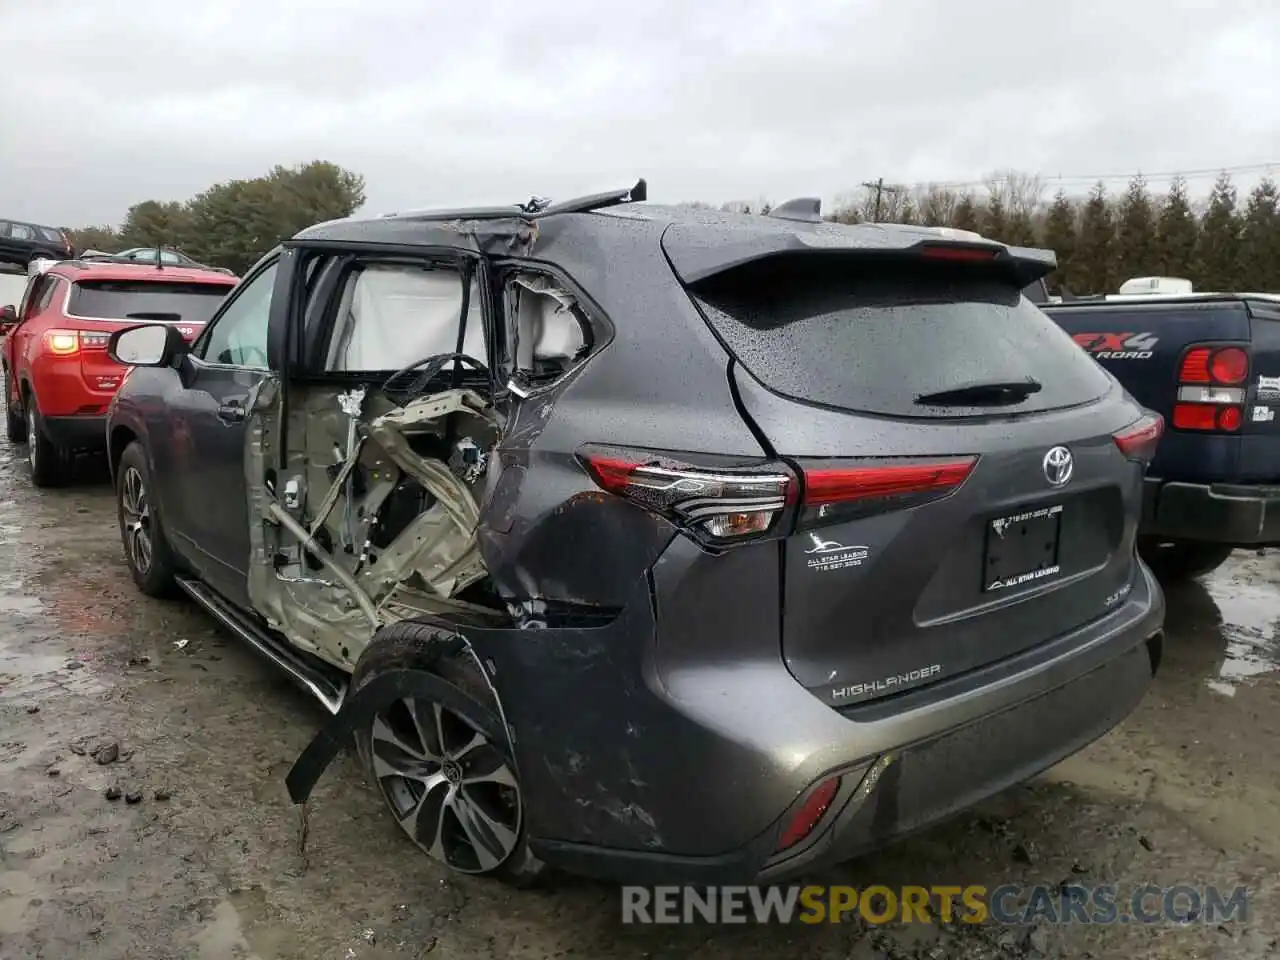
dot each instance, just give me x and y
(1226, 243)
(233, 223)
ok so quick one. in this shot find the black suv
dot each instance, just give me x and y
(24, 242)
(648, 542)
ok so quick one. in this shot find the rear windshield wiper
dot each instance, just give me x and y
(989, 393)
(156, 315)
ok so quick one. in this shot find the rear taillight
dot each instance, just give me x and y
(65, 343)
(1139, 440)
(844, 490)
(1211, 391)
(718, 504)
(726, 504)
(62, 343)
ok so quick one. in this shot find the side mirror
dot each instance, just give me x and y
(147, 345)
(8, 315)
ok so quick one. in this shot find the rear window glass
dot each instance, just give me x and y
(876, 341)
(143, 300)
(50, 234)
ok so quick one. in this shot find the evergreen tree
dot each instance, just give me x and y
(1260, 240)
(995, 217)
(1097, 243)
(1177, 232)
(1060, 237)
(965, 214)
(1217, 258)
(1136, 252)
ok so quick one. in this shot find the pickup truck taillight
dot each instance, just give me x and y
(1211, 388)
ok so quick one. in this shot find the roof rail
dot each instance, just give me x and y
(534, 207)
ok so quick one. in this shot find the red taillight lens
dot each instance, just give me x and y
(1139, 440)
(843, 485)
(719, 505)
(65, 343)
(810, 814)
(1195, 416)
(1230, 418)
(1229, 365)
(1195, 366)
(843, 490)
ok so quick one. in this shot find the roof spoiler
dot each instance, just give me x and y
(695, 260)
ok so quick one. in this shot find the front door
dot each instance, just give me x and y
(205, 475)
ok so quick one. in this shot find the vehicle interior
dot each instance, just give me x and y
(369, 468)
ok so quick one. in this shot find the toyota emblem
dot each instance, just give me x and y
(1058, 466)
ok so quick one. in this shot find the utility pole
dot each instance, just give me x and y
(880, 187)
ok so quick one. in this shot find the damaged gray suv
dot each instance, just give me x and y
(652, 543)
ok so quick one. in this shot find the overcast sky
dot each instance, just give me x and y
(442, 103)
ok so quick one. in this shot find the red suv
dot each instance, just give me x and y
(58, 378)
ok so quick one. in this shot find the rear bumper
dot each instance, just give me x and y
(77, 433)
(1240, 515)
(753, 745)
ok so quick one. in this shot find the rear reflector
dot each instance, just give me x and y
(810, 814)
(845, 485)
(1139, 440)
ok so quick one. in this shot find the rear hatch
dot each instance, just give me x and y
(964, 494)
(99, 307)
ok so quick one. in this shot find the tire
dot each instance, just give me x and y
(454, 707)
(15, 423)
(146, 550)
(1176, 560)
(49, 463)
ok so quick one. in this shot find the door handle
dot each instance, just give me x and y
(230, 412)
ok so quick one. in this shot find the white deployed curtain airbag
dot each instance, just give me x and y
(393, 315)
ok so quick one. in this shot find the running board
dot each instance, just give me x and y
(319, 679)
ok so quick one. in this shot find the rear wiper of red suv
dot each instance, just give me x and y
(156, 315)
(989, 393)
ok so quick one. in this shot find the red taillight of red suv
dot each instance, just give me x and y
(67, 343)
(1211, 389)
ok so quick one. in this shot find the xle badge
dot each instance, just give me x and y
(830, 555)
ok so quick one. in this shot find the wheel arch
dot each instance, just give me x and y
(121, 435)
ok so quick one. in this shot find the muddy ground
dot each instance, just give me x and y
(207, 864)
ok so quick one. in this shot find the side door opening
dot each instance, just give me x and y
(366, 462)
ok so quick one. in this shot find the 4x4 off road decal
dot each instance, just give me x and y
(1117, 346)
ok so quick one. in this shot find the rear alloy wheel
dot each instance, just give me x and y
(1176, 560)
(48, 462)
(145, 548)
(448, 787)
(440, 758)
